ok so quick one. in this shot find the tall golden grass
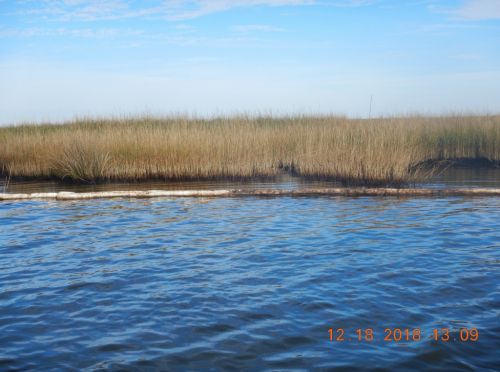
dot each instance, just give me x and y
(385, 151)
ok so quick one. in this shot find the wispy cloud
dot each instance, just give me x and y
(92, 10)
(347, 3)
(257, 28)
(478, 9)
(66, 10)
(440, 28)
(99, 33)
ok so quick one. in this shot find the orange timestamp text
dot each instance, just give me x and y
(403, 334)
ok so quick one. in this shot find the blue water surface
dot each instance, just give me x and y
(248, 283)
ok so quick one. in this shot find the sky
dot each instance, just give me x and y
(62, 59)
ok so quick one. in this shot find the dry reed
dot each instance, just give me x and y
(381, 152)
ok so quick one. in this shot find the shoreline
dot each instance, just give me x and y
(345, 191)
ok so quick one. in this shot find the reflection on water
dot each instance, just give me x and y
(451, 177)
(52, 186)
(467, 177)
(247, 283)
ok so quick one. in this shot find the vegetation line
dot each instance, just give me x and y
(383, 152)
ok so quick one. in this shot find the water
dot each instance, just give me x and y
(450, 177)
(467, 177)
(248, 283)
(283, 181)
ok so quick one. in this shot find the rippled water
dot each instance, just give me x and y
(248, 283)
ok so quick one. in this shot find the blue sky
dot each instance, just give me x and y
(65, 58)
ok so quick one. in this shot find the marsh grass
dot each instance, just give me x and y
(78, 163)
(375, 152)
